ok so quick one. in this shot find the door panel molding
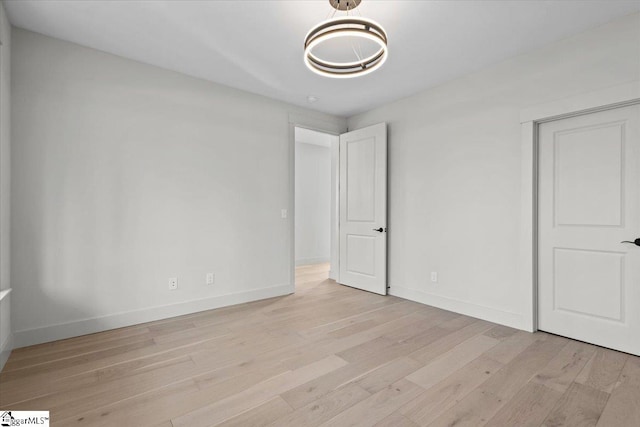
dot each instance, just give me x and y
(602, 302)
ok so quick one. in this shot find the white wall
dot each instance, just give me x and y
(5, 190)
(313, 203)
(124, 175)
(454, 169)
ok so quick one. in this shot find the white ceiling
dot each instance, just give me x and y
(257, 45)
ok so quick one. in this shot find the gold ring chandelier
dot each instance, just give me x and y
(346, 27)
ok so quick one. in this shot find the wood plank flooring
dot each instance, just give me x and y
(327, 356)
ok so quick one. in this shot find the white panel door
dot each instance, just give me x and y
(589, 202)
(363, 209)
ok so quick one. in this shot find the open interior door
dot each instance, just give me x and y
(363, 209)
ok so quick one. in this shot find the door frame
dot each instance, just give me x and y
(331, 126)
(530, 120)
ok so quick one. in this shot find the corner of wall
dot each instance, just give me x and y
(5, 350)
(6, 336)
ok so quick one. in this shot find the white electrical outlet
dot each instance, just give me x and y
(173, 283)
(284, 213)
(434, 276)
(211, 278)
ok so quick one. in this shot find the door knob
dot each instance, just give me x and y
(379, 230)
(636, 242)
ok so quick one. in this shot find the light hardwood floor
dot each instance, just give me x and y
(327, 356)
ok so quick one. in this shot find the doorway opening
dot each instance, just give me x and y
(316, 206)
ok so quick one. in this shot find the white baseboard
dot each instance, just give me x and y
(506, 318)
(119, 320)
(309, 261)
(5, 350)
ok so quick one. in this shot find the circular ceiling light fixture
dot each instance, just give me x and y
(348, 31)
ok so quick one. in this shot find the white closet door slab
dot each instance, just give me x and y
(589, 202)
